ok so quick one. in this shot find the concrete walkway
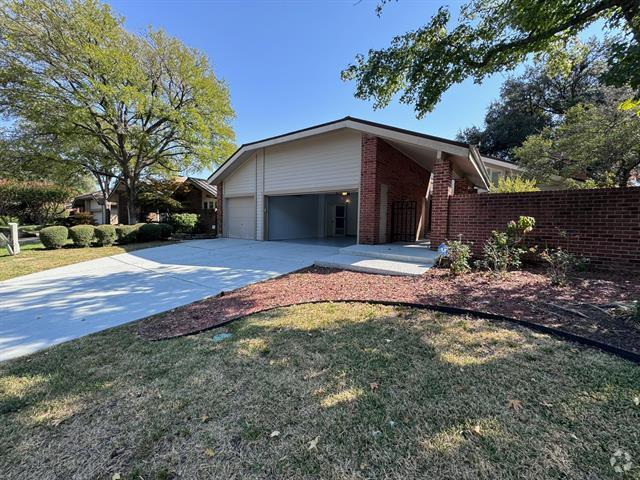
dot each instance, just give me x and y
(51, 307)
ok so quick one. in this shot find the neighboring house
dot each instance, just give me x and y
(349, 177)
(195, 195)
(94, 203)
(497, 168)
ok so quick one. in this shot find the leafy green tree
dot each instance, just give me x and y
(156, 194)
(598, 143)
(147, 104)
(515, 184)
(539, 97)
(31, 201)
(491, 36)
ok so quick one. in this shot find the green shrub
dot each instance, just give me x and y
(82, 235)
(560, 264)
(458, 256)
(80, 218)
(166, 231)
(184, 222)
(105, 235)
(54, 237)
(150, 232)
(127, 233)
(5, 220)
(503, 250)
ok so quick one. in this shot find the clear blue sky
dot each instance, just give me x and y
(282, 59)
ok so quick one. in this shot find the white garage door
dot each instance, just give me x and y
(240, 217)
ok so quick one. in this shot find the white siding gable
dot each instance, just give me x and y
(243, 180)
(327, 162)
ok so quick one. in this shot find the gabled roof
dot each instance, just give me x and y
(202, 184)
(467, 153)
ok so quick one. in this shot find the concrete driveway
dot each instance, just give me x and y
(50, 307)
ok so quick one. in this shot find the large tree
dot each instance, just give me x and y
(597, 143)
(145, 103)
(539, 97)
(492, 36)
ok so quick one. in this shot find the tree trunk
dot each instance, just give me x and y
(132, 197)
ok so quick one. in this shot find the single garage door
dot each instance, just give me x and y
(240, 217)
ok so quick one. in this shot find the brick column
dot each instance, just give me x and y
(442, 175)
(219, 213)
(369, 194)
(462, 186)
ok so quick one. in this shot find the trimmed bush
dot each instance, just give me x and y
(184, 222)
(150, 232)
(105, 235)
(54, 237)
(127, 233)
(82, 235)
(166, 231)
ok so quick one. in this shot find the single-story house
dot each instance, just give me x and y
(346, 178)
(195, 195)
(94, 203)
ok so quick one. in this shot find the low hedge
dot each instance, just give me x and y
(82, 235)
(127, 233)
(54, 237)
(184, 222)
(105, 235)
(150, 232)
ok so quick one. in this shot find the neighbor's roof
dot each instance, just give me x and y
(460, 149)
(202, 184)
(97, 196)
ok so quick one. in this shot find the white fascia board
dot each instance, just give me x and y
(428, 143)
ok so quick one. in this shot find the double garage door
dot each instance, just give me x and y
(240, 217)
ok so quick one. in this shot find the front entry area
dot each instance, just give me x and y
(331, 215)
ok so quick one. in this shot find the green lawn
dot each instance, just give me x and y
(35, 258)
(354, 392)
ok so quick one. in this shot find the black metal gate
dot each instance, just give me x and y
(403, 221)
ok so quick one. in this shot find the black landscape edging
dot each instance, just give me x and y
(619, 352)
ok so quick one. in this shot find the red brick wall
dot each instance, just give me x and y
(406, 180)
(442, 175)
(602, 225)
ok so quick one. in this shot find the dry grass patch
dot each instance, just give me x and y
(35, 258)
(321, 391)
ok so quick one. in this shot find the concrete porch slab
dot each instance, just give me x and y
(415, 252)
(366, 264)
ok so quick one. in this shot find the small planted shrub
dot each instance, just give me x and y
(166, 231)
(54, 237)
(184, 222)
(458, 256)
(503, 250)
(127, 233)
(105, 235)
(150, 232)
(82, 235)
(560, 264)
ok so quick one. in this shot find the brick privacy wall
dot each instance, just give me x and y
(442, 175)
(406, 180)
(602, 225)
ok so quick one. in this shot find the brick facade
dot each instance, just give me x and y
(442, 176)
(602, 225)
(406, 180)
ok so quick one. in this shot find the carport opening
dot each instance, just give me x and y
(331, 217)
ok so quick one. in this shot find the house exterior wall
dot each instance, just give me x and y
(602, 225)
(243, 180)
(386, 169)
(327, 162)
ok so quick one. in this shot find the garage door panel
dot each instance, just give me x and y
(240, 217)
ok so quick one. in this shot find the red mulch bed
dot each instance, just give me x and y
(523, 295)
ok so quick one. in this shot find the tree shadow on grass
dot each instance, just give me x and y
(389, 392)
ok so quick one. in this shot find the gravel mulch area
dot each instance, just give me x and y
(524, 295)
